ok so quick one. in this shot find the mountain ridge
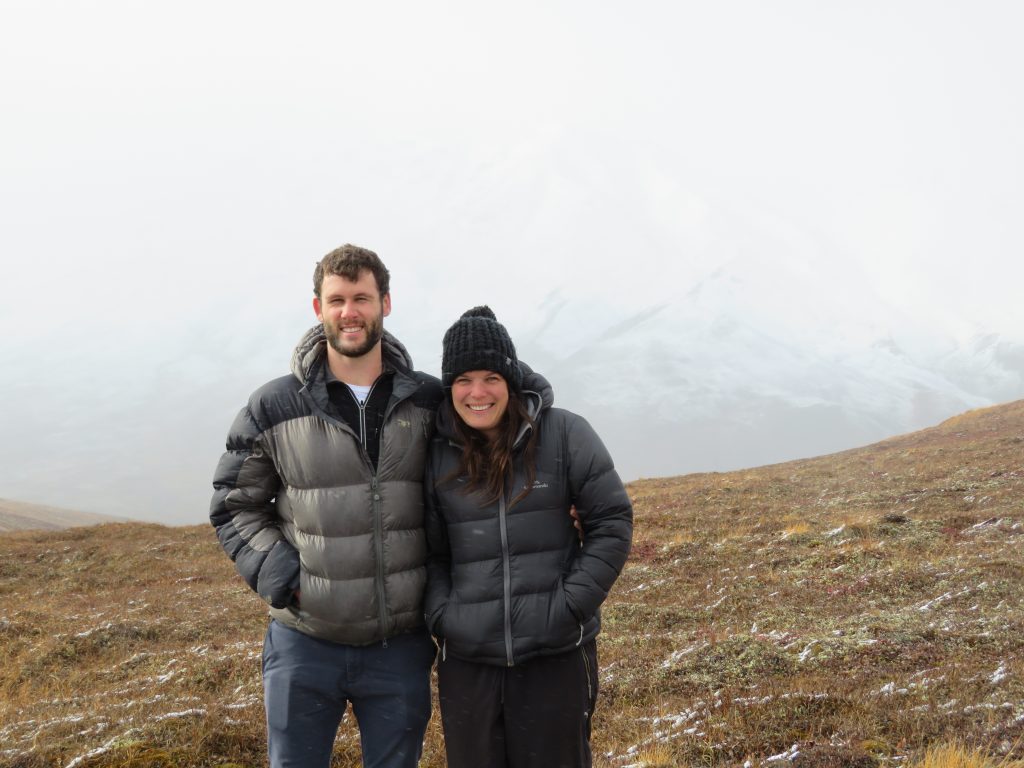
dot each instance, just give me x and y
(24, 515)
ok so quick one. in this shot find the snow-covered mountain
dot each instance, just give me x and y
(751, 343)
(690, 386)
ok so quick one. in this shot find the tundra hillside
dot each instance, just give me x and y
(853, 609)
(20, 516)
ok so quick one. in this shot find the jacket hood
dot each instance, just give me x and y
(537, 390)
(312, 348)
(536, 393)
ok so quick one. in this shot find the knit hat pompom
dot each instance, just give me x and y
(478, 342)
(482, 311)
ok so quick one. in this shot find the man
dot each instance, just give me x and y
(318, 502)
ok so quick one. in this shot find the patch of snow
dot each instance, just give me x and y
(935, 601)
(104, 748)
(88, 632)
(677, 655)
(677, 720)
(244, 704)
(806, 652)
(790, 754)
(183, 713)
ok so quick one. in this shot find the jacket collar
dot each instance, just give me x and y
(311, 351)
(309, 364)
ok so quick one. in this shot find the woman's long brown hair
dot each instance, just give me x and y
(488, 463)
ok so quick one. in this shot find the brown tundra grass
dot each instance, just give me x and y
(859, 609)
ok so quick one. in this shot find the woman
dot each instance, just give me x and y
(513, 589)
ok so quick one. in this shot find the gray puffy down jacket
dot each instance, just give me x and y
(298, 504)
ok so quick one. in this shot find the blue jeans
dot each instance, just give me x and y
(308, 683)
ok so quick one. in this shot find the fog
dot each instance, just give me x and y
(171, 174)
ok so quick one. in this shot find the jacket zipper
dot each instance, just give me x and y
(378, 521)
(378, 536)
(507, 569)
(586, 668)
(362, 415)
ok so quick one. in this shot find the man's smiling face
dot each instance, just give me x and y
(352, 313)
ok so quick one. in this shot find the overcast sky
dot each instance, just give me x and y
(170, 173)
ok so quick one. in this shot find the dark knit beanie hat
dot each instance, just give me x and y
(478, 342)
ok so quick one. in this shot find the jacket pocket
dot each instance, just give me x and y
(434, 620)
(279, 574)
(563, 625)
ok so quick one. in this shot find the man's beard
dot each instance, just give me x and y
(374, 330)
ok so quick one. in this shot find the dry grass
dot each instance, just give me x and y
(851, 610)
(956, 755)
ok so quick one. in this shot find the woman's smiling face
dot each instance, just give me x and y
(480, 398)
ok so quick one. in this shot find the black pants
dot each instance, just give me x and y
(532, 715)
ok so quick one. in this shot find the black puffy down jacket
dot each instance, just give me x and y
(505, 584)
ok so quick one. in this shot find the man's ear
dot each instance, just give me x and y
(316, 309)
(386, 302)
